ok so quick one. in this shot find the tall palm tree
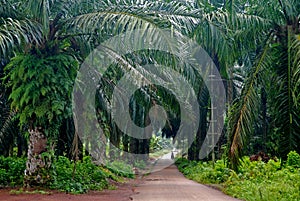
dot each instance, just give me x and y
(15, 30)
(221, 28)
(48, 40)
(276, 69)
(43, 32)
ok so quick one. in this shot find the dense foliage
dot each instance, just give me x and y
(121, 169)
(256, 49)
(81, 176)
(11, 171)
(65, 175)
(158, 143)
(255, 180)
(41, 87)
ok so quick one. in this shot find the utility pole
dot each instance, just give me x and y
(212, 116)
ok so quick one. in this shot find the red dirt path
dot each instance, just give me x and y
(123, 193)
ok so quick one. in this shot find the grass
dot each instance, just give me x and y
(22, 191)
(255, 181)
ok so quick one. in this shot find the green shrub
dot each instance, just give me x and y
(78, 177)
(140, 164)
(293, 159)
(255, 180)
(276, 185)
(204, 172)
(65, 175)
(12, 171)
(183, 163)
(121, 168)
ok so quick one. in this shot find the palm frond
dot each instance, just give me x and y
(14, 32)
(296, 71)
(285, 100)
(40, 11)
(8, 129)
(10, 9)
(244, 111)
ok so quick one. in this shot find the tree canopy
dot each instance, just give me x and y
(255, 46)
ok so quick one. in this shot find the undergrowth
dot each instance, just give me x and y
(65, 175)
(11, 171)
(255, 181)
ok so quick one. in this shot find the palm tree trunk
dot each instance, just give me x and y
(264, 118)
(36, 163)
(21, 144)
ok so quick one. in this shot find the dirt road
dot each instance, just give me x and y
(170, 185)
(123, 193)
(164, 184)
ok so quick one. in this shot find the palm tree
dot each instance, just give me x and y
(276, 69)
(63, 32)
(15, 29)
(48, 39)
(221, 28)
(40, 76)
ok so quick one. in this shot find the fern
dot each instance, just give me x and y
(41, 93)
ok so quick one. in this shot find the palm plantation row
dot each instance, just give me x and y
(255, 46)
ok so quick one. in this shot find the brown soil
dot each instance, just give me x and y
(122, 193)
(168, 184)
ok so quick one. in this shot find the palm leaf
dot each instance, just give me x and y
(8, 129)
(244, 111)
(14, 32)
(286, 96)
